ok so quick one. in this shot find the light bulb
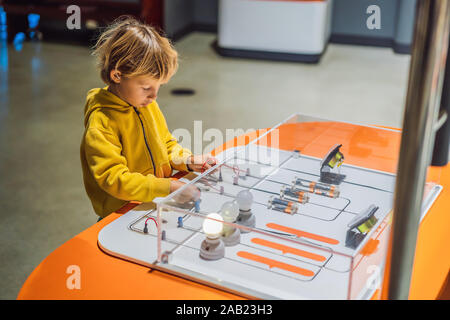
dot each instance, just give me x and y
(230, 211)
(245, 200)
(213, 228)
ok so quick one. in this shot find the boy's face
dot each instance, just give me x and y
(139, 91)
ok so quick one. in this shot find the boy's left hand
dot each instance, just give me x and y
(201, 163)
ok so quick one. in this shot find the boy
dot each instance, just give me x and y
(127, 151)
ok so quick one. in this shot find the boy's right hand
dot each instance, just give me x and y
(188, 194)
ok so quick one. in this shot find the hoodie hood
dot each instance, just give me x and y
(101, 98)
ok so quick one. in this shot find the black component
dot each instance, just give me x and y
(363, 217)
(333, 151)
(332, 178)
(145, 228)
(353, 239)
(441, 143)
(325, 175)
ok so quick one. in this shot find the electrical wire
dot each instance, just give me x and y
(145, 225)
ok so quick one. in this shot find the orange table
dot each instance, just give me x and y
(105, 277)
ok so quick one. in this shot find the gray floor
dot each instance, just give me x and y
(41, 122)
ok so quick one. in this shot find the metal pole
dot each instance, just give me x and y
(421, 111)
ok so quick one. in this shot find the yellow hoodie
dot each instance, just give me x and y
(127, 153)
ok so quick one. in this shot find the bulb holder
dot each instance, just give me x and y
(246, 219)
(232, 237)
(212, 249)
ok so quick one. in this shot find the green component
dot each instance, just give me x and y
(367, 225)
(335, 160)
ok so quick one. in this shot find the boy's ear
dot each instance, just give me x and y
(115, 75)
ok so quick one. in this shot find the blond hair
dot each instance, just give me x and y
(134, 49)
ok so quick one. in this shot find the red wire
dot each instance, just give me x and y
(235, 168)
(151, 218)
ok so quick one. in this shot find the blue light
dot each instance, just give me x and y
(33, 20)
(18, 41)
(3, 57)
(3, 27)
(2, 16)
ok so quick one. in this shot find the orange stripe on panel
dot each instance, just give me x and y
(301, 233)
(287, 249)
(275, 264)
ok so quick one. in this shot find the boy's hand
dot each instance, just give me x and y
(190, 193)
(201, 163)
